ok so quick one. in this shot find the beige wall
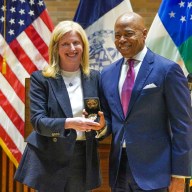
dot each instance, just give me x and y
(65, 9)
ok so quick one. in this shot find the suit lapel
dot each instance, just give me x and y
(115, 85)
(61, 94)
(85, 85)
(142, 76)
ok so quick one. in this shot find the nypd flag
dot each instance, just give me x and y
(98, 17)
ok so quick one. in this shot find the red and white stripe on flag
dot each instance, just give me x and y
(25, 30)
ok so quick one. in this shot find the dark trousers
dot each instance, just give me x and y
(76, 181)
(125, 181)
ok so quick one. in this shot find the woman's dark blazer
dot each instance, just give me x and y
(46, 159)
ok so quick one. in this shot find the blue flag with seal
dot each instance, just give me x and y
(98, 17)
(170, 34)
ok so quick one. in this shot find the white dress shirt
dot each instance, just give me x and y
(73, 84)
(139, 59)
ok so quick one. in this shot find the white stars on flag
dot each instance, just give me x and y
(12, 21)
(31, 2)
(40, 3)
(182, 4)
(22, 11)
(183, 19)
(172, 14)
(31, 13)
(12, 10)
(189, 5)
(21, 22)
(184, 8)
(11, 32)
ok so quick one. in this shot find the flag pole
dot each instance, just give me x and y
(4, 35)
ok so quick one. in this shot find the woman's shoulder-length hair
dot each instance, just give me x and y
(63, 27)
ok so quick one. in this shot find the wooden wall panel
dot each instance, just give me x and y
(65, 9)
(7, 171)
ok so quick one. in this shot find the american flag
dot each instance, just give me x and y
(25, 30)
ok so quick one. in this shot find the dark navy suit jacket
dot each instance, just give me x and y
(158, 125)
(45, 162)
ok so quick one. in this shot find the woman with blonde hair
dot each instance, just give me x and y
(61, 153)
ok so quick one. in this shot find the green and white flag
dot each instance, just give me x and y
(170, 34)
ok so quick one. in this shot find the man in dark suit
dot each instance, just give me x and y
(152, 131)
